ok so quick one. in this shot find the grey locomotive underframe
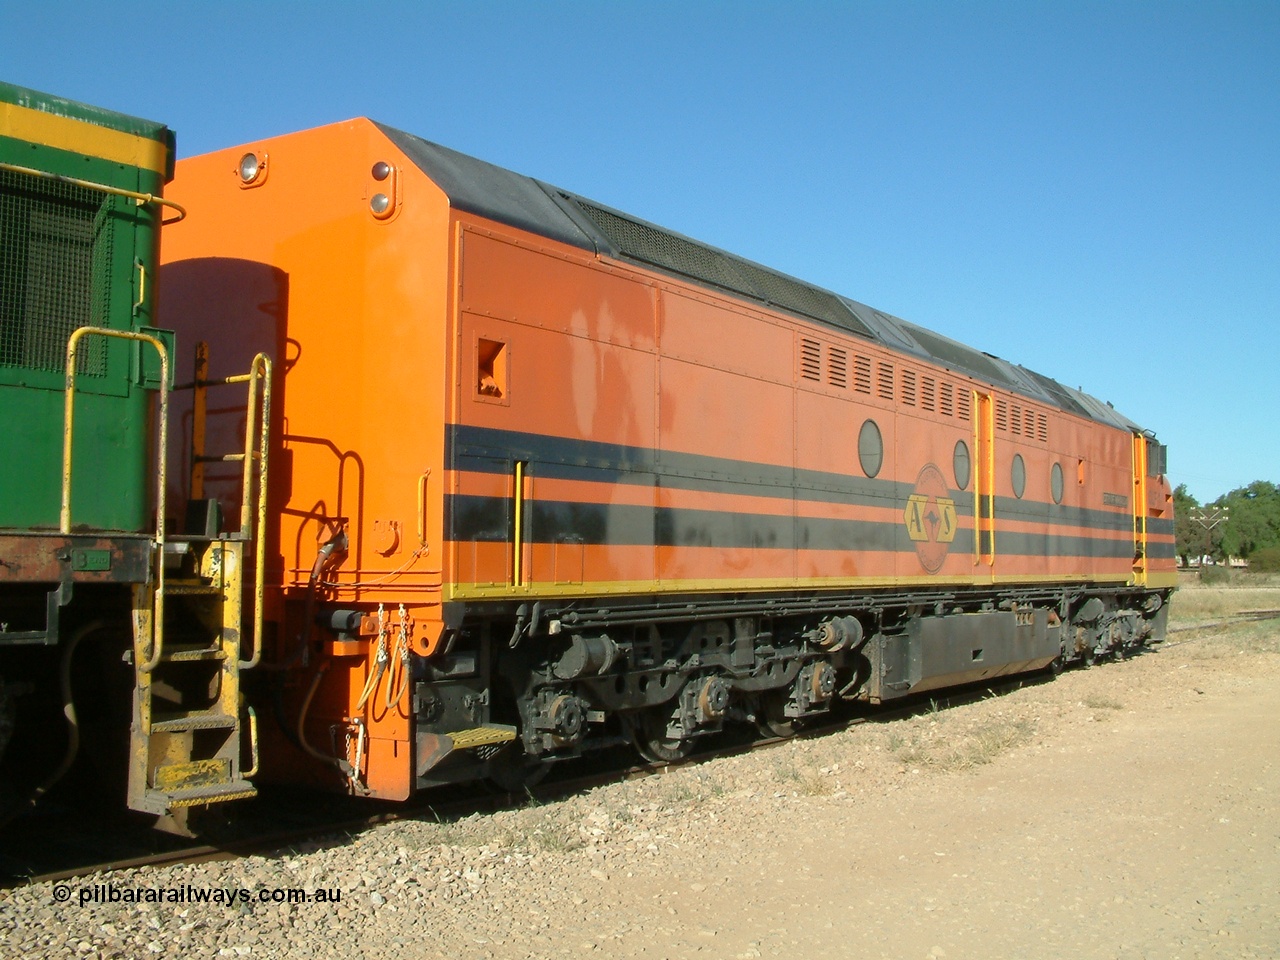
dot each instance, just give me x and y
(571, 676)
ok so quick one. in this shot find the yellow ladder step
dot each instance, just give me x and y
(193, 720)
(186, 654)
(172, 589)
(220, 793)
(481, 736)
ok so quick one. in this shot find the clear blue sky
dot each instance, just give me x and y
(1090, 189)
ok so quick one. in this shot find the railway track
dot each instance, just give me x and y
(280, 818)
(56, 850)
(1244, 616)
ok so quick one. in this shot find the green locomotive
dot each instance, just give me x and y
(78, 247)
(79, 243)
(84, 539)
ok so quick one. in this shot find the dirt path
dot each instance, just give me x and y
(1132, 811)
(1128, 811)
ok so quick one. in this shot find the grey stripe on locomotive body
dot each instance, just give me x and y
(483, 450)
(489, 519)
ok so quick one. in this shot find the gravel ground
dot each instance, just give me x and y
(1125, 811)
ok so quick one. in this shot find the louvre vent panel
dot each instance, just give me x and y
(55, 254)
(837, 368)
(885, 381)
(862, 374)
(909, 388)
(810, 359)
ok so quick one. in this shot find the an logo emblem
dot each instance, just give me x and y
(931, 518)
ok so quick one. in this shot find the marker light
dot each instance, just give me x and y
(250, 167)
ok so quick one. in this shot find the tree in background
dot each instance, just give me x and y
(1255, 519)
(1188, 535)
(1252, 530)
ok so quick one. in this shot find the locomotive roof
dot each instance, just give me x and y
(130, 141)
(74, 110)
(526, 203)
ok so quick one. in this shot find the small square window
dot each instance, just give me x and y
(491, 369)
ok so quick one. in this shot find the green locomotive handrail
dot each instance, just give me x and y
(68, 424)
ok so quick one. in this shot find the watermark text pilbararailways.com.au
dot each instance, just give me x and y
(107, 893)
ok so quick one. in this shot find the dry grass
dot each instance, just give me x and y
(1231, 640)
(1204, 613)
(1096, 702)
(945, 745)
(1195, 604)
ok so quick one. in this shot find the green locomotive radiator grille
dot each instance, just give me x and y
(55, 253)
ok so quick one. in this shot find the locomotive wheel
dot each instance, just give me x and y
(649, 734)
(771, 718)
(514, 771)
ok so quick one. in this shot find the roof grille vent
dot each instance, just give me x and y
(670, 251)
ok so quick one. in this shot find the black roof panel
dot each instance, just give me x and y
(528, 204)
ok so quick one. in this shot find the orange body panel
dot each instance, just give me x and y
(352, 310)
(667, 437)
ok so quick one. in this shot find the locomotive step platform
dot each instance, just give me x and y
(192, 720)
(196, 796)
(481, 737)
(186, 653)
(192, 589)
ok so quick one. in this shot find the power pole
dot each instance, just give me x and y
(1208, 518)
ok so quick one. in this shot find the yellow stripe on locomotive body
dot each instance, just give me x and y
(637, 588)
(41, 128)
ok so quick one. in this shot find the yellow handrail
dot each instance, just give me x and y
(259, 374)
(1139, 446)
(261, 362)
(422, 507)
(517, 536)
(139, 198)
(68, 425)
(984, 509)
(253, 746)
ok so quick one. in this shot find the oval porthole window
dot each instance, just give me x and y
(960, 465)
(1055, 481)
(1019, 476)
(870, 448)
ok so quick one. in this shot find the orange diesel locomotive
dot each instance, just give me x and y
(544, 476)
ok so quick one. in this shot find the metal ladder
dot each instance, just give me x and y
(186, 730)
